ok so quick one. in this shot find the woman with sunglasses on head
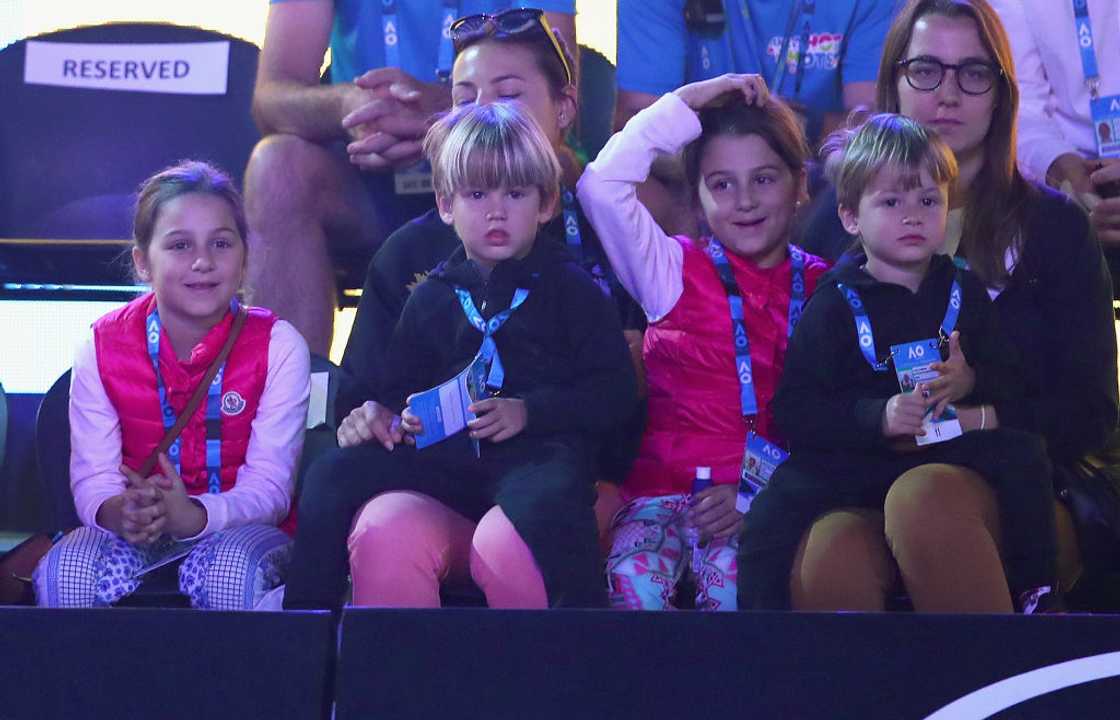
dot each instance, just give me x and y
(947, 64)
(511, 57)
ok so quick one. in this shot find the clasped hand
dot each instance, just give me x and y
(151, 506)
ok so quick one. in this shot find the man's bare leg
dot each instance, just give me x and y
(301, 199)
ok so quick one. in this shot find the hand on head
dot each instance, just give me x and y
(699, 95)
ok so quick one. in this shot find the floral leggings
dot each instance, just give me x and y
(649, 557)
(229, 570)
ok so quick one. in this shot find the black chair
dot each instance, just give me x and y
(71, 158)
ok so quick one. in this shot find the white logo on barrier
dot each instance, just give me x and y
(988, 701)
(177, 68)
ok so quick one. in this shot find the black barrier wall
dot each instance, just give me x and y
(460, 663)
(164, 664)
(617, 665)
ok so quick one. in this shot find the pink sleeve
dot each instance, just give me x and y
(265, 482)
(95, 437)
(647, 261)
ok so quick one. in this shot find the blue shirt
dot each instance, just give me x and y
(657, 52)
(358, 40)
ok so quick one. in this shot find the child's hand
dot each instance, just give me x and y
(410, 424)
(498, 418)
(956, 380)
(904, 412)
(368, 422)
(142, 511)
(713, 512)
(699, 95)
(185, 517)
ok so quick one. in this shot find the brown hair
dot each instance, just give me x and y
(774, 122)
(991, 226)
(887, 140)
(548, 62)
(185, 177)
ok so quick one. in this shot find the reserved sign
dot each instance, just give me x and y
(178, 68)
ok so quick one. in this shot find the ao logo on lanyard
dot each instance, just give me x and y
(231, 404)
(1104, 111)
(760, 456)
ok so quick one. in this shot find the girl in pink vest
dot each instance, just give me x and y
(220, 498)
(720, 307)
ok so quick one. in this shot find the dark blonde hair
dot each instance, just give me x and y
(183, 178)
(774, 122)
(991, 226)
(490, 146)
(886, 140)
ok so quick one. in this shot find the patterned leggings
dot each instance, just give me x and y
(229, 570)
(648, 558)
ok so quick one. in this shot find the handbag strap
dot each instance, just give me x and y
(199, 392)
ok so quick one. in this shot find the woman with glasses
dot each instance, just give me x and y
(511, 57)
(947, 64)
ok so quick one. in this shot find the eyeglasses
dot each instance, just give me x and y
(927, 74)
(509, 23)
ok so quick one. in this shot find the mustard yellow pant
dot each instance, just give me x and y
(937, 539)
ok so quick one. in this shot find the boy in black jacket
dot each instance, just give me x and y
(553, 358)
(852, 432)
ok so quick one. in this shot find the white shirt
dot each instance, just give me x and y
(1054, 116)
(263, 490)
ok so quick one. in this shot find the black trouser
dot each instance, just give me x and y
(811, 484)
(544, 486)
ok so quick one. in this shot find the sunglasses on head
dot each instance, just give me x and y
(509, 23)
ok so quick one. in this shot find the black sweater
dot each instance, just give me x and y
(402, 263)
(563, 350)
(831, 399)
(1056, 311)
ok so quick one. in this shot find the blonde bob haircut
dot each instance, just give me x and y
(488, 146)
(886, 140)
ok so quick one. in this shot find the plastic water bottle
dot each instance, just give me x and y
(701, 482)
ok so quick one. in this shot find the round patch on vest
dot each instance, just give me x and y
(232, 403)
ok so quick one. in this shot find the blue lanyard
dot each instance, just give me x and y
(863, 322)
(1083, 26)
(489, 350)
(747, 398)
(392, 33)
(574, 241)
(154, 328)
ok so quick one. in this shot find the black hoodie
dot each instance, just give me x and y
(829, 397)
(563, 350)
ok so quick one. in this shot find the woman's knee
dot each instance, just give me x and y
(842, 563)
(930, 501)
